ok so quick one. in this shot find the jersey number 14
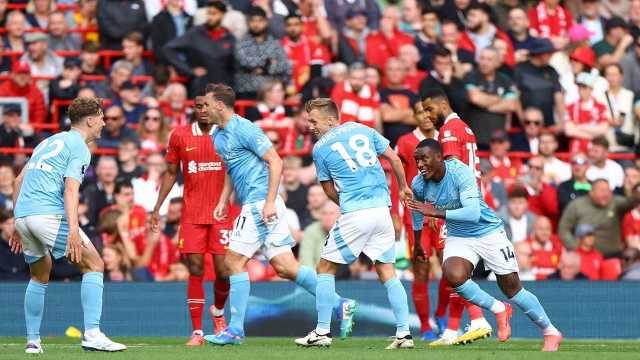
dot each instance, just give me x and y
(365, 156)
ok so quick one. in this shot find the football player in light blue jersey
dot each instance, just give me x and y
(46, 211)
(254, 170)
(346, 159)
(449, 190)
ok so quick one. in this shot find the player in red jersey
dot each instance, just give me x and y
(200, 234)
(431, 234)
(458, 141)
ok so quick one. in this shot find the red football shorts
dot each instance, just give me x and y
(205, 238)
(431, 238)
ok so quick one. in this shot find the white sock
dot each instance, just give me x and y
(92, 332)
(481, 322)
(551, 330)
(218, 312)
(400, 334)
(450, 333)
(37, 341)
(198, 332)
(322, 331)
(497, 307)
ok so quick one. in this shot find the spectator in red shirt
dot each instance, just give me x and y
(356, 99)
(20, 85)
(590, 258)
(174, 107)
(481, 32)
(135, 214)
(271, 112)
(631, 229)
(550, 20)
(502, 168)
(586, 118)
(546, 248)
(413, 76)
(396, 110)
(299, 140)
(386, 42)
(543, 198)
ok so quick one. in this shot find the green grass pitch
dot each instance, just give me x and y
(158, 348)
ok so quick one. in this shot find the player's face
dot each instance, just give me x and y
(428, 162)
(424, 123)
(205, 112)
(319, 123)
(96, 123)
(433, 110)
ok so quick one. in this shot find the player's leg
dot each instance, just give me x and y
(219, 236)
(444, 293)
(397, 297)
(420, 285)
(193, 246)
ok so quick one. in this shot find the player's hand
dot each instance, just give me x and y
(419, 255)
(269, 213)
(432, 224)
(406, 194)
(155, 221)
(15, 244)
(220, 212)
(74, 247)
(424, 209)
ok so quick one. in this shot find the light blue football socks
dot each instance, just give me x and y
(475, 295)
(91, 298)
(34, 309)
(325, 302)
(531, 306)
(398, 300)
(238, 299)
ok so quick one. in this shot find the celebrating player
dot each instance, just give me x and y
(458, 141)
(254, 170)
(448, 190)
(200, 233)
(346, 157)
(46, 210)
(432, 236)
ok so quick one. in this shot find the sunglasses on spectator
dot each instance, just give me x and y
(532, 122)
(112, 118)
(533, 167)
(579, 161)
(155, 118)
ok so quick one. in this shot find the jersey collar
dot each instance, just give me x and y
(451, 116)
(420, 136)
(195, 129)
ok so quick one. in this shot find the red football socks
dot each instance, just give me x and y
(195, 300)
(221, 292)
(420, 294)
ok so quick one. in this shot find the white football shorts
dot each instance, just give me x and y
(494, 248)
(44, 234)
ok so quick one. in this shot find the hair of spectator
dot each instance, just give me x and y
(91, 47)
(222, 92)
(431, 144)
(104, 159)
(429, 10)
(324, 105)
(57, 12)
(15, 13)
(518, 192)
(434, 93)
(571, 257)
(356, 66)
(485, 8)
(267, 85)
(122, 184)
(218, 4)
(31, 6)
(533, 109)
(440, 51)
(601, 141)
(129, 141)
(108, 222)
(171, 88)
(122, 64)
(5, 215)
(549, 134)
(292, 162)
(294, 15)
(176, 200)
(135, 37)
(615, 65)
(83, 107)
(337, 68)
(445, 22)
(256, 11)
(599, 180)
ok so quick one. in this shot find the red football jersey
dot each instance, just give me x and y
(585, 112)
(458, 140)
(631, 228)
(405, 148)
(202, 169)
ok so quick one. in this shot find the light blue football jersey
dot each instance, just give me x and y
(458, 183)
(60, 156)
(348, 155)
(241, 145)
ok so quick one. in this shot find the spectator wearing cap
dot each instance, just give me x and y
(338, 12)
(385, 42)
(172, 22)
(581, 59)
(427, 37)
(624, 131)
(539, 84)
(604, 211)
(67, 85)
(59, 37)
(601, 166)
(550, 20)
(518, 220)
(90, 59)
(443, 76)
(397, 102)
(529, 139)
(615, 43)
(130, 100)
(13, 39)
(493, 97)
(41, 59)
(501, 167)
(556, 171)
(630, 265)
(481, 32)
(352, 39)
(117, 18)
(586, 118)
(357, 100)
(592, 20)
(20, 85)
(13, 132)
(133, 49)
(578, 185)
(568, 268)
(590, 258)
(12, 266)
(115, 129)
(546, 248)
(519, 33)
(205, 52)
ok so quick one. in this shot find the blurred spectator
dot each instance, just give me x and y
(578, 185)
(631, 264)
(543, 198)
(518, 220)
(538, 83)
(59, 36)
(274, 138)
(134, 215)
(592, 20)
(624, 131)
(153, 130)
(601, 166)
(13, 40)
(99, 194)
(397, 101)
(631, 229)
(116, 128)
(160, 78)
(293, 221)
(481, 32)
(174, 214)
(492, 96)
(84, 18)
(356, 99)
(120, 72)
(210, 49)
(259, 57)
(590, 258)
(387, 40)
(20, 85)
(173, 105)
(90, 58)
(148, 186)
(524, 257)
(582, 59)
(7, 177)
(154, 7)
(411, 17)
(413, 76)
(519, 33)
(117, 267)
(615, 43)
(128, 167)
(13, 132)
(12, 266)
(550, 20)
(631, 179)
(3, 12)
(568, 268)
(296, 191)
(442, 76)
(172, 22)
(427, 38)
(546, 248)
(603, 211)
(631, 67)
(316, 233)
(373, 76)
(41, 59)
(38, 12)
(556, 171)
(67, 85)
(529, 139)
(352, 38)
(270, 109)
(501, 168)
(634, 18)
(463, 59)
(130, 100)
(339, 11)
(299, 139)
(133, 49)
(315, 200)
(586, 118)
(117, 18)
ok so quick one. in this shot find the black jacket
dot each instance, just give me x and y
(162, 31)
(566, 193)
(117, 18)
(519, 142)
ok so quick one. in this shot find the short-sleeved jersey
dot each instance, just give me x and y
(348, 155)
(58, 157)
(458, 184)
(241, 145)
(458, 140)
(202, 169)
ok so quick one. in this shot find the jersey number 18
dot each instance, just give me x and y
(365, 156)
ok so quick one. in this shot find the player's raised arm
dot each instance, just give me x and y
(275, 172)
(71, 200)
(168, 180)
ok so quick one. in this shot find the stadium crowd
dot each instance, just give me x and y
(548, 87)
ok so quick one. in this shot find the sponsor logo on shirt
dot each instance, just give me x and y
(196, 167)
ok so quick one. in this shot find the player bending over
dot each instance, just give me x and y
(254, 170)
(200, 233)
(346, 157)
(46, 200)
(448, 190)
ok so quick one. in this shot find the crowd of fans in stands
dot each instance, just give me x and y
(534, 80)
